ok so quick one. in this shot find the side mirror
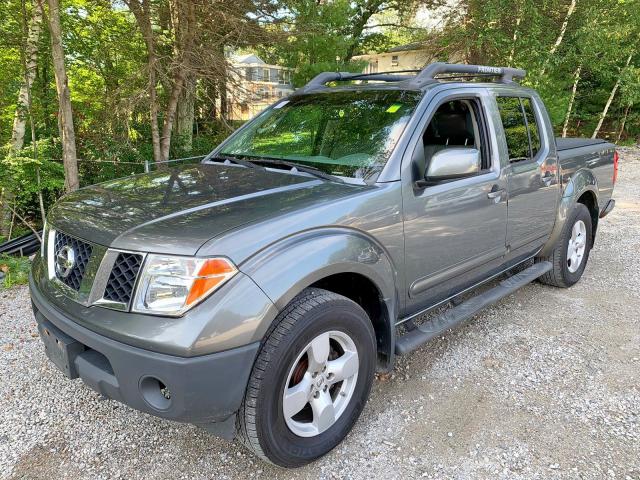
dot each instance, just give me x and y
(452, 163)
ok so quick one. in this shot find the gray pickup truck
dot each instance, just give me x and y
(257, 293)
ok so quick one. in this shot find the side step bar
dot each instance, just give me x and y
(456, 315)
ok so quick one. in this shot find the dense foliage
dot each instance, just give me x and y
(148, 79)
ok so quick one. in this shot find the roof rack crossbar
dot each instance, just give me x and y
(506, 74)
(427, 75)
(323, 78)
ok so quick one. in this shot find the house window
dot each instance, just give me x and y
(252, 74)
(265, 74)
(373, 67)
(394, 60)
(285, 77)
(262, 93)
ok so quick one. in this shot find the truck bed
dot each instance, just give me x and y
(570, 143)
(595, 155)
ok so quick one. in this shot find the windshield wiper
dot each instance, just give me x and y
(236, 160)
(301, 168)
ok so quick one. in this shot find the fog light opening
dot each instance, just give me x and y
(156, 393)
(164, 390)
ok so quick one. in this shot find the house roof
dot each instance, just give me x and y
(407, 47)
(249, 58)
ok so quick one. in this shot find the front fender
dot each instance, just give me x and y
(284, 269)
(580, 182)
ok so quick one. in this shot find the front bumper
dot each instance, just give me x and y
(204, 390)
(607, 208)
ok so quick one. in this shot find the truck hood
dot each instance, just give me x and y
(177, 210)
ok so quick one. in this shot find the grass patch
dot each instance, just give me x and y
(15, 270)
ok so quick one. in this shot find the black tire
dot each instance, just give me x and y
(261, 424)
(560, 275)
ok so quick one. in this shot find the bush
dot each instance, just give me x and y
(19, 176)
(15, 270)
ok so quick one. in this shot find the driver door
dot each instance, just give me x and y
(454, 229)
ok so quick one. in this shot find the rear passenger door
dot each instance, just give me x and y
(532, 175)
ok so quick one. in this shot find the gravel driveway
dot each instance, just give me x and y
(544, 384)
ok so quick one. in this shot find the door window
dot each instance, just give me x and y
(520, 127)
(455, 124)
(515, 128)
(533, 126)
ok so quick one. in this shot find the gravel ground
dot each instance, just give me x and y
(545, 384)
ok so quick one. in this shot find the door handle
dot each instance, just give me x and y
(548, 178)
(495, 193)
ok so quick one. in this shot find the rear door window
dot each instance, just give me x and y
(533, 126)
(520, 127)
(515, 128)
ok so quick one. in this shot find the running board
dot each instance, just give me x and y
(437, 326)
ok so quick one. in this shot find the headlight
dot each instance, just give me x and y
(172, 285)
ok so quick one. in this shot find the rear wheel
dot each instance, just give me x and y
(310, 381)
(569, 258)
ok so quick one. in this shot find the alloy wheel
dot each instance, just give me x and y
(577, 246)
(320, 384)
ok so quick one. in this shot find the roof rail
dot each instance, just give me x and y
(427, 75)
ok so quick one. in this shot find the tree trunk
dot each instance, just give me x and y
(224, 99)
(64, 99)
(210, 110)
(185, 25)
(185, 17)
(153, 100)
(515, 39)
(141, 10)
(563, 30)
(185, 115)
(170, 114)
(44, 81)
(31, 63)
(358, 26)
(222, 87)
(611, 96)
(624, 121)
(576, 79)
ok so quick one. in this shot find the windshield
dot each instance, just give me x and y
(348, 133)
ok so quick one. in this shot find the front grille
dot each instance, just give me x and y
(81, 252)
(123, 278)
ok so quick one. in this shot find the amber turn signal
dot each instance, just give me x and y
(212, 273)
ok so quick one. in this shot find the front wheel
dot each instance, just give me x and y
(310, 381)
(569, 258)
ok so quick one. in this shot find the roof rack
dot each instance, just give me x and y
(423, 77)
(323, 78)
(506, 74)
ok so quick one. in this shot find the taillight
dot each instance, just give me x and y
(615, 166)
